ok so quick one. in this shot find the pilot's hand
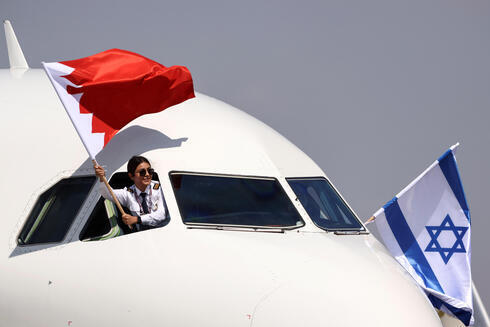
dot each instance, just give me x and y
(129, 220)
(100, 172)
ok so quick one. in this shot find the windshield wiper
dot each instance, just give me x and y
(238, 228)
(350, 232)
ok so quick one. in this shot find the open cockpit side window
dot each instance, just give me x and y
(55, 210)
(217, 200)
(99, 227)
(105, 221)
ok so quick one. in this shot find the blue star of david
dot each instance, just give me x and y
(435, 231)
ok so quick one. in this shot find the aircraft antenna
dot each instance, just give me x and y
(16, 56)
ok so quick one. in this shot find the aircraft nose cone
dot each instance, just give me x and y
(370, 293)
(311, 303)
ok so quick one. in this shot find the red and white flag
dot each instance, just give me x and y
(104, 92)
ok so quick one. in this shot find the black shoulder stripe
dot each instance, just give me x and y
(156, 186)
(130, 190)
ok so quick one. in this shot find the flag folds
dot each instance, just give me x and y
(104, 92)
(426, 227)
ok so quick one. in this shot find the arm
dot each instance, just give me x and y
(120, 194)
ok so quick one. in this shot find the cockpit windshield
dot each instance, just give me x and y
(233, 201)
(324, 205)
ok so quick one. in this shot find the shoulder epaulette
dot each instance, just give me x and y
(129, 189)
(156, 186)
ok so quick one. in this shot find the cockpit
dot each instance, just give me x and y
(204, 200)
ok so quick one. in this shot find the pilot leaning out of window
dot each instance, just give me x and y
(143, 198)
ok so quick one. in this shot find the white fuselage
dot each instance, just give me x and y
(175, 275)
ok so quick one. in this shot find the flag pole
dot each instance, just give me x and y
(480, 306)
(370, 220)
(109, 188)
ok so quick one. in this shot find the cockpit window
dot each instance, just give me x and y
(55, 210)
(233, 201)
(324, 205)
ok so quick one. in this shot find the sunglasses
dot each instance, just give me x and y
(142, 172)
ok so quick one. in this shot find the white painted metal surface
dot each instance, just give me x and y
(175, 276)
(16, 56)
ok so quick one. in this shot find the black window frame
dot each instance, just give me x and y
(254, 227)
(362, 228)
(35, 206)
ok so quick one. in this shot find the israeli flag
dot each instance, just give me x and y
(426, 227)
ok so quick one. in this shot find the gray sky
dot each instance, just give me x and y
(374, 91)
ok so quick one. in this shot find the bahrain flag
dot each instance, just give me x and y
(104, 92)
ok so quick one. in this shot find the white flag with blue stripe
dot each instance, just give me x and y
(426, 227)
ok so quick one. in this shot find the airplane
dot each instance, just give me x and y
(256, 233)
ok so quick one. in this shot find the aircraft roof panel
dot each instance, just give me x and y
(202, 134)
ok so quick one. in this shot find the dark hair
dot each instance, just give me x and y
(134, 162)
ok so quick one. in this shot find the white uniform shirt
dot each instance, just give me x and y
(130, 198)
